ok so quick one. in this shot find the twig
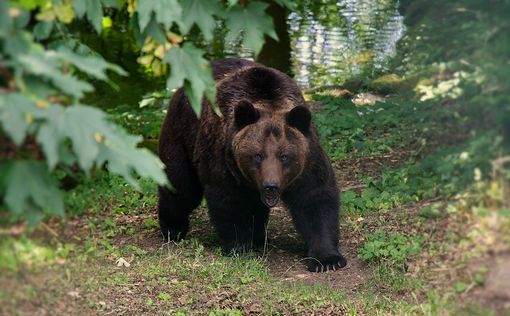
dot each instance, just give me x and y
(49, 229)
(14, 230)
(498, 163)
(358, 186)
(497, 167)
(6, 73)
(264, 252)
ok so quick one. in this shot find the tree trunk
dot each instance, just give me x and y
(276, 54)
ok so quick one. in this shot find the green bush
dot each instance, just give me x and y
(393, 247)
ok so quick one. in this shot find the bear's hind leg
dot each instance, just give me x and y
(175, 206)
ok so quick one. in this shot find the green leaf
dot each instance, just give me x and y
(48, 66)
(200, 12)
(79, 7)
(348, 197)
(64, 12)
(94, 11)
(119, 149)
(253, 22)
(117, 4)
(79, 124)
(191, 70)
(460, 287)
(232, 3)
(5, 19)
(287, 3)
(49, 135)
(16, 115)
(165, 12)
(31, 4)
(95, 140)
(135, 27)
(93, 65)
(25, 198)
(19, 43)
(42, 30)
(146, 102)
(46, 14)
(155, 31)
(22, 19)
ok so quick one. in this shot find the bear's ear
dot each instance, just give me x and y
(300, 118)
(245, 114)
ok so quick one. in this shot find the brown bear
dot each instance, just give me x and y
(262, 149)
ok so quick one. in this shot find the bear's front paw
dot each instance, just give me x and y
(235, 249)
(327, 263)
(173, 233)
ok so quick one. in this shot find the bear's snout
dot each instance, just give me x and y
(271, 188)
(270, 194)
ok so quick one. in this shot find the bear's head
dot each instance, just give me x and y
(270, 146)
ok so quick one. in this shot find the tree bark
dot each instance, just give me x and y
(274, 53)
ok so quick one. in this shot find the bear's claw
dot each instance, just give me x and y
(172, 234)
(327, 264)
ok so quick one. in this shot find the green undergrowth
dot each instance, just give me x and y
(393, 247)
(103, 191)
(433, 163)
(145, 121)
(348, 131)
(23, 251)
(446, 172)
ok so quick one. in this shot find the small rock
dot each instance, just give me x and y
(366, 99)
(344, 93)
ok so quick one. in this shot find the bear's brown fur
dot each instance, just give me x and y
(263, 148)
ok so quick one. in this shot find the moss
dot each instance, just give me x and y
(390, 84)
(354, 85)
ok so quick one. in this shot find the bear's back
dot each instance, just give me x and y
(239, 79)
(225, 67)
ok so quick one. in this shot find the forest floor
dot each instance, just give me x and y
(411, 248)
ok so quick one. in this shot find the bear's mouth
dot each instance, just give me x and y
(270, 200)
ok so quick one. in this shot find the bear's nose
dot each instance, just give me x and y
(271, 188)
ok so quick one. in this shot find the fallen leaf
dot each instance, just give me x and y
(122, 262)
(74, 294)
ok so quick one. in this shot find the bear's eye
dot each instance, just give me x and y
(258, 158)
(284, 157)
